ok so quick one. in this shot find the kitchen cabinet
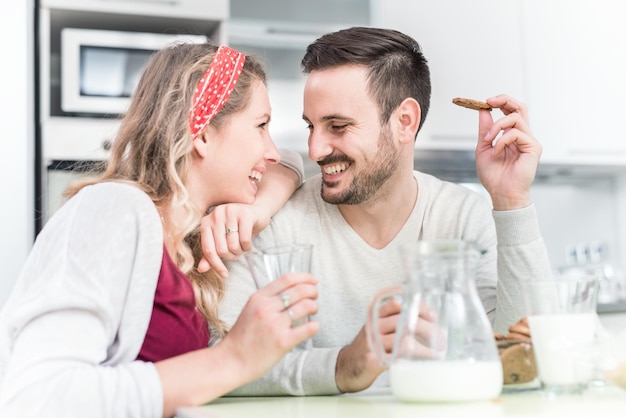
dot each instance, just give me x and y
(279, 31)
(563, 58)
(575, 64)
(155, 16)
(74, 137)
(474, 50)
(164, 8)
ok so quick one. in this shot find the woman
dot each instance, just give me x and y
(111, 316)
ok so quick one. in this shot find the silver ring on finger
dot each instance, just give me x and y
(231, 230)
(286, 300)
(294, 320)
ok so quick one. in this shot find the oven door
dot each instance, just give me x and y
(60, 174)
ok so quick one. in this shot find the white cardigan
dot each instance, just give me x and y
(69, 333)
(76, 320)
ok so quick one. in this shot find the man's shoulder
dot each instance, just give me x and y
(305, 205)
(446, 197)
(307, 195)
(444, 187)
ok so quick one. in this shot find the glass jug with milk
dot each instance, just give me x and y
(444, 349)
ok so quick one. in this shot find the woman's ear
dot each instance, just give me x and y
(201, 143)
(408, 115)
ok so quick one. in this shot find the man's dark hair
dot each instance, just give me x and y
(397, 69)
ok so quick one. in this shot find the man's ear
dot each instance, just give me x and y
(408, 115)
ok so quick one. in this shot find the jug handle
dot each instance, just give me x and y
(372, 330)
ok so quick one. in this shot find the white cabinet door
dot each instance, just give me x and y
(576, 65)
(279, 31)
(198, 9)
(474, 50)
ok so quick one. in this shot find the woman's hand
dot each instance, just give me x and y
(227, 232)
(265, 331)
(260, 337)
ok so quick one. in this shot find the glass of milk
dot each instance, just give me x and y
(563, 323)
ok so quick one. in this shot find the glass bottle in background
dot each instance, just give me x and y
(593, 259)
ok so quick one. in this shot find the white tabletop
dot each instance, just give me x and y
(607, 402)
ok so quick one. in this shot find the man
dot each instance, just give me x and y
(365, 98)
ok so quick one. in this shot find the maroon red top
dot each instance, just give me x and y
(176, 326)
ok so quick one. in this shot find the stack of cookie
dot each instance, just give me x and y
(516, 354)
(618, 375)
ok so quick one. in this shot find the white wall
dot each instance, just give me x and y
(16, 123)
(582, 212)
(579, 211)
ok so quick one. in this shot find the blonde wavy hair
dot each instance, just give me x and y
(153, 150)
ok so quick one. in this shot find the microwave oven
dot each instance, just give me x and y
(101, 68)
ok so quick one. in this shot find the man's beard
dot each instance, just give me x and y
(366, 183)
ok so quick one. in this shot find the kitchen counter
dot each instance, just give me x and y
(605, 402)
(614, 323)
(615, 307)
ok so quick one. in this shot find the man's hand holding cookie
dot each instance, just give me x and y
(507, 154)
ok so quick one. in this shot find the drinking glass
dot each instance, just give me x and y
(562, 318)
(267, 264)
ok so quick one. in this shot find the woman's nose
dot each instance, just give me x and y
(272, 155)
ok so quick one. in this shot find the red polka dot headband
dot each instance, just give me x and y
(215, 87)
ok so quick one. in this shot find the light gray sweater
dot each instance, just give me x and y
(350, 272)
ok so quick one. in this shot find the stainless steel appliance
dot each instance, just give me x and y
(100, 68)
